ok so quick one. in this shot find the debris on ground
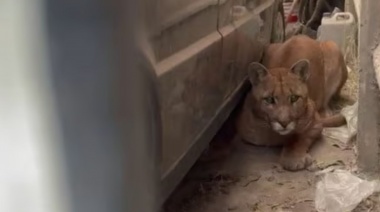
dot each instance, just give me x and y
(249, 178)
(370, 204)
(323, 165)
(258, 183)
(343, 135)
(341, 191)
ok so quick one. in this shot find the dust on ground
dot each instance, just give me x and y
(370, 204)
(250, 178)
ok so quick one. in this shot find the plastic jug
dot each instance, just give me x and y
(336, 27)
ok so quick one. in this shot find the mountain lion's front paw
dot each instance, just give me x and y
(295, 162)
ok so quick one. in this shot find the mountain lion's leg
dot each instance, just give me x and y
(295, 154)
(335, 73)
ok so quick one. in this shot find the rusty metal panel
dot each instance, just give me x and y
(182, 23)
(191, 92)
(173, 11)
(226, 11)
(187, 46)
(244, 37)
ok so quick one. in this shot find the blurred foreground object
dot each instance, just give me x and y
(78, 119)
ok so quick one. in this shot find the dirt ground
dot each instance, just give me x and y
(250, 178)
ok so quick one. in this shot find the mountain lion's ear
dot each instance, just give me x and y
(256, 72)
(302, 69)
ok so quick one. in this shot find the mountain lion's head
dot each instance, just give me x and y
(280, 95)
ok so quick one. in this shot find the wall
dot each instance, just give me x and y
(368, 126)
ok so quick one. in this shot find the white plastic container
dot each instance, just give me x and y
(336, 27)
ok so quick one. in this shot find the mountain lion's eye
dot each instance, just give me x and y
(294, 98)
(269, 100)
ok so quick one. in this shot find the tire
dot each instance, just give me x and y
(278, 26)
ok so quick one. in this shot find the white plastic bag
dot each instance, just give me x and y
(344, 134)
(340, 191)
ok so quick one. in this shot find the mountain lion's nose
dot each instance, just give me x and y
(284, 124)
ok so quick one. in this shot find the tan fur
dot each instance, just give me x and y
(335, 69)
(286, 75)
